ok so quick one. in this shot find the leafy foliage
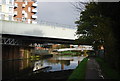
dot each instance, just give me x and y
(99, 25)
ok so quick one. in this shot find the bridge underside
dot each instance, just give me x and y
(10, 39)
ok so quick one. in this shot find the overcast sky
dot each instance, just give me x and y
(57, 12)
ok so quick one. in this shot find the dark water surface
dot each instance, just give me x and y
(19, 68)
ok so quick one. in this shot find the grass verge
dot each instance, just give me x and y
(108, 72)
(79, 73)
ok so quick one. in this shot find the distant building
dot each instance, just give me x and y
(25, 11)
(19, 10)
(7, 10)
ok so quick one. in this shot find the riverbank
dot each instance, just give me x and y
(79, 73)
(54, 75)
(38, 57)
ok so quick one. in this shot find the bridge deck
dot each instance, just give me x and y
(36, 30)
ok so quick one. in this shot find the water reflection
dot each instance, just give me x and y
(12, 69)
(58, 63)
(39, 66)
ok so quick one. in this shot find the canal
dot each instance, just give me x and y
(20, 68)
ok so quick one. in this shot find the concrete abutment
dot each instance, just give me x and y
(15, 52)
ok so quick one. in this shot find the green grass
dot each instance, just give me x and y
(71, 53)
(79, 73)
(108, 72)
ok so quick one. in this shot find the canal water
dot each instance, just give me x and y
(18, 68)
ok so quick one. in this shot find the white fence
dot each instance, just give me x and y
(70, 49)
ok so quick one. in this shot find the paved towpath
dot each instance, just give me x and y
(93, 70)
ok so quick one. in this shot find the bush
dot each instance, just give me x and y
(108, 72)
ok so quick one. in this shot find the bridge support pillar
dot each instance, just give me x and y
(10, 52)
(15, 52)
(25, 52)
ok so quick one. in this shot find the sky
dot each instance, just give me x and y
(57, 12)
(60, 11)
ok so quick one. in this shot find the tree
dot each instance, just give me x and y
(88, 25)
(98, 26)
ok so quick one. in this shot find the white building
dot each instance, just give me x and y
(7, 10)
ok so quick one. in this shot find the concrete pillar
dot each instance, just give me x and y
(27, 53)
(21, 53)
(15, 52)
(10, 53)
(62, 66)
(5, 53)
(85, 53)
